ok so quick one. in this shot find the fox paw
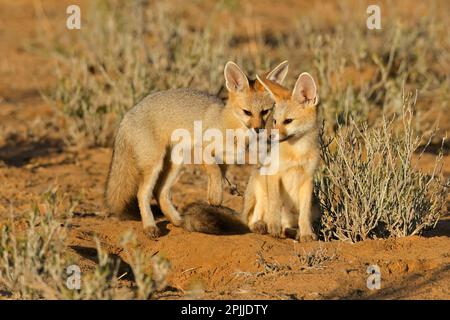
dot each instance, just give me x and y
(275, 230)
(307, 237)
(152, 232)
(259, 227)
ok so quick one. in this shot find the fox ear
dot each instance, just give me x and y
(267, 86)
(305, 89)
(279, 72)
(235, 79)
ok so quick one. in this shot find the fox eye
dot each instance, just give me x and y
(287, 121)
(247, 112)
(274, 121)
(264, 112)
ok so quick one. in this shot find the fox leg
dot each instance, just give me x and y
(252, 214)
(305, 219)
(145, 191)
(257, 224)
(274, 206)
(169, 177)
(150, 166)
(255, 203)
(288, 219)
(249, 201)
(215, 188)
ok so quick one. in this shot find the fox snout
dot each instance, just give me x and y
(277, 133)
(260, 129)
(257, 124)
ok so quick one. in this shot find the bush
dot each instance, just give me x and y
(368, 188)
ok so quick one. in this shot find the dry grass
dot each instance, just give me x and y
(35, 259)
(368, 187)
(127, 50)
(316, 258)
(271, 267)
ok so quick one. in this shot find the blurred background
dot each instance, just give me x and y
(127, 49)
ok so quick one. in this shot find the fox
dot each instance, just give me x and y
(141, 166)
(277, 203)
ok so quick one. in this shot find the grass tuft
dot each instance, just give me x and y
(368, 187)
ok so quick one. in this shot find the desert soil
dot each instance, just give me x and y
(221, 267)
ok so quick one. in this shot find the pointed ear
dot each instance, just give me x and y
(235, 79)
(266, 84)
(279, 72)
(305, 89)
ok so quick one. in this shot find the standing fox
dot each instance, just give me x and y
(276, 202)
(141, 166)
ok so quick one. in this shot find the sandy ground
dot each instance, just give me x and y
(221, 266)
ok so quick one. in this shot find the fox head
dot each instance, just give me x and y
(295, 112)
(250, 103)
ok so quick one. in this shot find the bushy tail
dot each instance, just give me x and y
(122, 182)
(205, 218)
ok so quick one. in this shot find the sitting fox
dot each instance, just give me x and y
(274, 203)
(141, 166)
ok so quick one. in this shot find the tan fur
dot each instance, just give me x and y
(276, 203)
(202, 217)
(141, 166)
